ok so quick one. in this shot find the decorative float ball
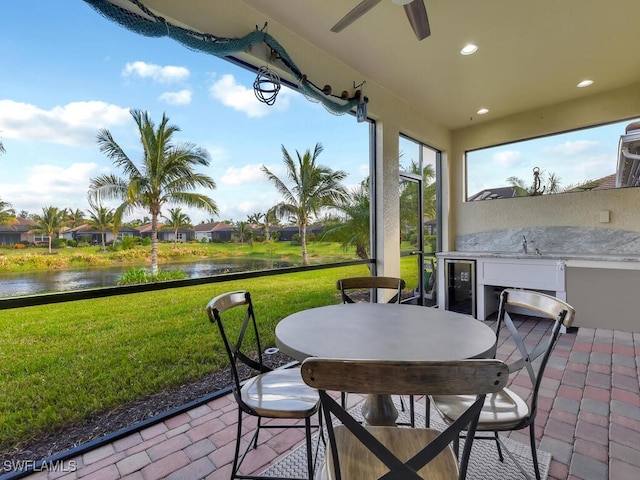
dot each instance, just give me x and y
(266, 85)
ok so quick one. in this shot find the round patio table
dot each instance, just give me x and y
(382, 331)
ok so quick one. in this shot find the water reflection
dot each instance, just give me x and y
(20, 283)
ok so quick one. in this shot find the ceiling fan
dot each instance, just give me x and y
(415, 10)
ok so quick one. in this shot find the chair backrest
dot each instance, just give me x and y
(246, 348)
(469, 377)
(348, 286)
(533, 358)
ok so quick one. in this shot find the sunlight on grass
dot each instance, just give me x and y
(59, 363)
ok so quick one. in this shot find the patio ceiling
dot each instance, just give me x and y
(531, 53)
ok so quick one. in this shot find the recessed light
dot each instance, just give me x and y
(482, 111)
(469, 49)
(585, 83)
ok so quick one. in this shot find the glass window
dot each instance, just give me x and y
(576, 161)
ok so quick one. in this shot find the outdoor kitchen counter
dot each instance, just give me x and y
(572, 259)
(553, 273)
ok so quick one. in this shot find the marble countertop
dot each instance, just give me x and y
(595, 257)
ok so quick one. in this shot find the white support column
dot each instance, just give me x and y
(387, 200)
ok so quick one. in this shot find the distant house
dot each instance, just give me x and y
(203, 231)
(168, 234)
(287, 233)
(92, 236)
(500, 192)
(604, 183)
(214, 231)
(20, 231)
(145, 230)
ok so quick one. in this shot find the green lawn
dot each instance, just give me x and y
(60, 363)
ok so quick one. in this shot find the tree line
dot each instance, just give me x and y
(166, 174)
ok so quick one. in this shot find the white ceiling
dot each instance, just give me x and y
(532, 53)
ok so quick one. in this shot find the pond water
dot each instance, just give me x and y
(20, 283)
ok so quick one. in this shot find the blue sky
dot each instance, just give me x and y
(68, 72)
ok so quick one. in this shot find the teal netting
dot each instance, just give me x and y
(147, 23)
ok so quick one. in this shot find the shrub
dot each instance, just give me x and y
(72, 243)
(429, 243)
(145, 241)
(296, 239)
(140, 275)
(58, 243)
(128, 243)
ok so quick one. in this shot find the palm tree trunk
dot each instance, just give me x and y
(50, 244)
(303, 237)
(154, 244)
(175, 238)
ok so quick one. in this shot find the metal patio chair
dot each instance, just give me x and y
(266, 393)
(351, 286)
(360, 452)
(506, 410)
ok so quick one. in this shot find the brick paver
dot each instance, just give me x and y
(589, 420)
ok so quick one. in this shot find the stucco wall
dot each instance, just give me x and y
(574, 209)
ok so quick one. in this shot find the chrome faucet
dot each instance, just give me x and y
(524, 244)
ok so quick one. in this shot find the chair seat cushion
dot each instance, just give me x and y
(501, 411)
(280, 394)
(358, 463)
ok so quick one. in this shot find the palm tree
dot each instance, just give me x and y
(354, 229)
(50, 222)
(314, 187)
(116, 223)
(408, 196)
(74, 218)
(244, 231)
(101, 218)
(165, 174)
(551, 184)
(270, 220)
(176, 220)
(7, 214)
(257, 220)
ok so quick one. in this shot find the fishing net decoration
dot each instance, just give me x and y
(139, 19)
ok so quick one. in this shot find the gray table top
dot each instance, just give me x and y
(383, 332)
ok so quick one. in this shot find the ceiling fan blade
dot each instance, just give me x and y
(359, 10)
(417, 15)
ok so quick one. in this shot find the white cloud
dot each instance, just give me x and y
(157, 73)
(247, 175)
(507, 158)
(73, 124)
(228, 92)
(183, 97)
(232, 208)
(53, 185)
(573, 148)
